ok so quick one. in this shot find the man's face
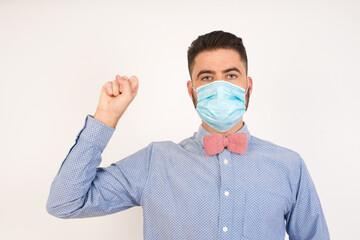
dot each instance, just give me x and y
(220, 64)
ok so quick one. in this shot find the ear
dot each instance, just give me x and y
(250, 82)
(189, 87)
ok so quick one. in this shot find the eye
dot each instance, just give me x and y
(206, 78)
(232, 76)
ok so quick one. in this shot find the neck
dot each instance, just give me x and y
(232, 130)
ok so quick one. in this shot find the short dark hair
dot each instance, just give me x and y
(216, 40)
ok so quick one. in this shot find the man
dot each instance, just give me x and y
(221, 183)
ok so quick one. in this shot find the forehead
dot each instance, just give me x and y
(217, 60)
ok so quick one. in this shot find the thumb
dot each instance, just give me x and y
(124, 86)
(134, 85)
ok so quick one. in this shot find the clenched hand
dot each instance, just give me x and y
(115, 97)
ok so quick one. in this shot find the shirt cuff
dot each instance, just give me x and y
(96, 132)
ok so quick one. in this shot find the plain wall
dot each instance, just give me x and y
(56, 55)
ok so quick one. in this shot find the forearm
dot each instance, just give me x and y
(73, 180)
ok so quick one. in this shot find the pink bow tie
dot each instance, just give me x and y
(215, 144)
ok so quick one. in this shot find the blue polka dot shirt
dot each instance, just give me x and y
(185, 194)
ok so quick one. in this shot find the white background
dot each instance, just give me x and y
(56, 55)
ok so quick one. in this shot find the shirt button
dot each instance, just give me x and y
(226, 193)
(225, 229)
(226, 161)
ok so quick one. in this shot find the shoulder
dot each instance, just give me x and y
(274, 152)
(265, 144)
(163, 145)
(185, 148)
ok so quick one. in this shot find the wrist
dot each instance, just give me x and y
(106, 118)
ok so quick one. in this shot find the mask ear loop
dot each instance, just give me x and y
(247, 85)
(192, 86)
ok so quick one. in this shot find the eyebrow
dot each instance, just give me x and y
(225, 71)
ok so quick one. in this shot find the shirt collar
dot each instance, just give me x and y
(202, 132)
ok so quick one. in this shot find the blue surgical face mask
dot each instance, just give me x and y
(220, 104)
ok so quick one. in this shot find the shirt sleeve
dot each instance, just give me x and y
(82, 189)
(306, 219)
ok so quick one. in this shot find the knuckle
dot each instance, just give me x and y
(106, 84)
(109, 88)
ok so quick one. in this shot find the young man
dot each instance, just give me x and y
(221, 183)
